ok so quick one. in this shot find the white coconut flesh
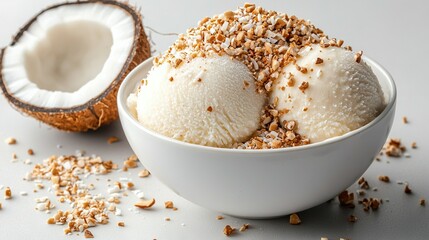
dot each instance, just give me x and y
(69, 55)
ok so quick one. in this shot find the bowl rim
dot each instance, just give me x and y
(392, 94)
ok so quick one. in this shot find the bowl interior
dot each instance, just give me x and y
(131, 82)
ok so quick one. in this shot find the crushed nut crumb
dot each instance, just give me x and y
(358, 56)
(384, 178)
(394, 148)
(407, 189)
(294, 219)
(168, 204)
(144, 204)
(144, 173)
(112, 139)
(319, 61)
(7, 193)
(228, 230)
(10, 141)
(88, 234)
(346, 199)
(131, 162)
(244, 227)
(352, 218)
(30, 152)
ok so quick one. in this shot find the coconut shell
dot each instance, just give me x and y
(100, 110)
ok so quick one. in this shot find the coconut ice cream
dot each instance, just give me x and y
(208, 101)
(328, 92)
(209, 87)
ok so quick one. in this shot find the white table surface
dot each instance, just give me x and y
(392, 32)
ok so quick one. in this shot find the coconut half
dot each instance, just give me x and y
(65, 66)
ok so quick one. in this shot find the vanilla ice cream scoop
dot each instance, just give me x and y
(328, 93)
(209, 101)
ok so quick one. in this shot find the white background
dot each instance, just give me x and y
(392, 32)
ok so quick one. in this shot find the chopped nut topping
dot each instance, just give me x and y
(130, 185)
(228, 230)
(131, 162)
(358, 56)
(303, 87)
(145, 204)
(88, 234)
(294, 219)
(64, 172)
(319, 61)
(167, 219)
(51, 221)
(112, 139)
(30, 152)
(210, 109)
(407, 189)
(414, 145)
(352, 218)
(7, 193)
(384, 178)
(238, 33)
(168, 204)
(144, 173)
(374, 204)
(171, 79)
(219, 217)
(346, 199)
(404, 120)
(371, 203)
(363, 183)
(291, 81)
(422, 202)
(244, 227)
(121, 224)
(10, 141)
(394, 148)
(229, 15)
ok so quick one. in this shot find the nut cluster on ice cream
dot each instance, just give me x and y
(256, 79)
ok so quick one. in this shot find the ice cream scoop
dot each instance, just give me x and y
(328, 92)
(209, 101)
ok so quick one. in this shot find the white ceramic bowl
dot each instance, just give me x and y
(258, 183)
